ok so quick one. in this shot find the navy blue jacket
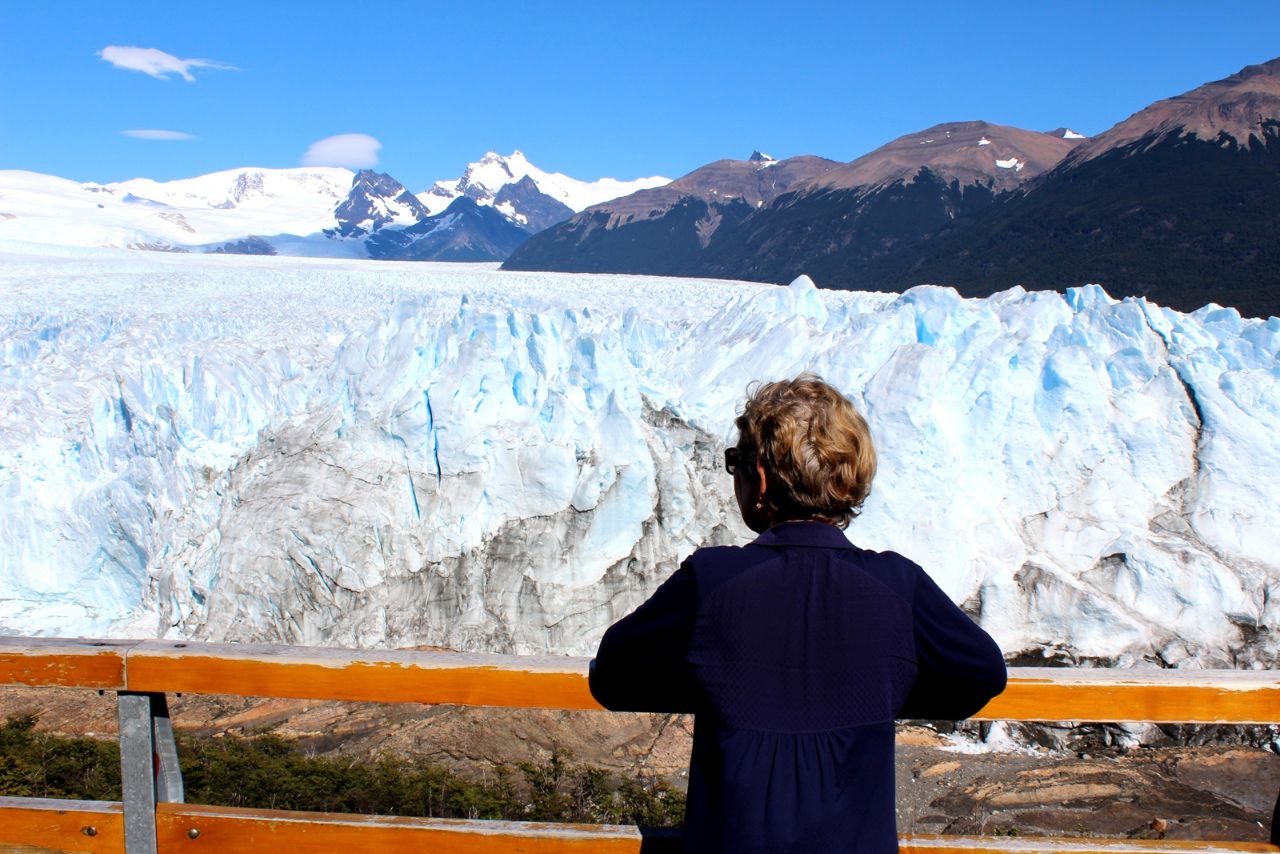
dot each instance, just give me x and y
(796, 653)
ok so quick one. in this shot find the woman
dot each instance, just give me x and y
(797, 651)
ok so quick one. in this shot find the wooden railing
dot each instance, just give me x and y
(152, 818)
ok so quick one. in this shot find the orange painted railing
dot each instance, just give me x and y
(137, 669)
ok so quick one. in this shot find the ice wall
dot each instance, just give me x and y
(393, 455)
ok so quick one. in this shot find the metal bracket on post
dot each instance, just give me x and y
(168, 771)
(149, 770)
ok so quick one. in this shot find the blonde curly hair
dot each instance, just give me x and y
(814, 445)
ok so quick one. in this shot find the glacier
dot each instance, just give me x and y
(379, 454)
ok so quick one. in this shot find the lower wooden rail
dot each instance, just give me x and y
(152, 819)
(95, 827)
(39, 824)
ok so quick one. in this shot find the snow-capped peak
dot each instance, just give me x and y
(484, 178)
(492, 172)
(1070, 134)
(375, 200)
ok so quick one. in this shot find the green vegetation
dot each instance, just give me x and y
(271, 772)
(37, 765)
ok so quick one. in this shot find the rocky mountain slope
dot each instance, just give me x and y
(375, 200)
(969, 153)
(666, 230)
(771, 220)
(1176, 203)
(884, 202)
(464, 231)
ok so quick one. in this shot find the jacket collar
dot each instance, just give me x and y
(818, 535)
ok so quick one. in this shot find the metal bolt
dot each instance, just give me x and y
(89, 831)
(193, 833)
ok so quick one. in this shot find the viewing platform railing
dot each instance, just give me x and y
(151, 816)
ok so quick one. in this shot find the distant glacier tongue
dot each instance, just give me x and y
(370, 454)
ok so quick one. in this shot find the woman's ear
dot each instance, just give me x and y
(762, 480)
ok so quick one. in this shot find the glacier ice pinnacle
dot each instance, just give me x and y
(364, 453)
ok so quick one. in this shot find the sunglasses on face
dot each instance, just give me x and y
(733, 457)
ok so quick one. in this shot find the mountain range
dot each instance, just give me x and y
(755, 218)
(324, 211)
(1177, 203)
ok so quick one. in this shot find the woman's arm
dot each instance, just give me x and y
(641, 664)
(959, 666)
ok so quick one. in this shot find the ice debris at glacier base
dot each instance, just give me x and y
(370, 454)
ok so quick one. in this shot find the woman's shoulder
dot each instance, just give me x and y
(712, 556)
(887, 558)
(714, 565)
(890, 568)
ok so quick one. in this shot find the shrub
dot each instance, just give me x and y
(271, 772)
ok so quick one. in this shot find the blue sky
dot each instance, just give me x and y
(591, 89)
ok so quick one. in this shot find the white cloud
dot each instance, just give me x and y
(165, 135)
(157, 63)
(353, 150)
